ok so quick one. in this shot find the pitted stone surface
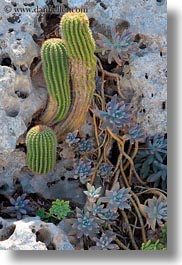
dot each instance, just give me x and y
(19, 100)
(32, 234)
(10, 166)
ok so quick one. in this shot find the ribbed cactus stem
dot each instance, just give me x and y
(82, 93)
(56, 73)
(80, 44)
(41, 145)
(80, 49)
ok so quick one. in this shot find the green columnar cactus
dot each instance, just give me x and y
(80, 49)
(41, 145)
(80, 44)
(56, 72)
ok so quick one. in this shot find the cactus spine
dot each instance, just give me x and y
(41, 145)
(80, 49)
(56, 72)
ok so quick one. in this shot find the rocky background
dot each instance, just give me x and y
(23, 94)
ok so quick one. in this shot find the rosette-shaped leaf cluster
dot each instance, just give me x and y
(117, 198)
(83, 171)
(86, 224)
(60, 209)
(135, 133)
(19, 206)
(120, 47)
(105, 171)
(92, 193)
(156, 212)
(117, 114)
(105, 241)
(151, 161)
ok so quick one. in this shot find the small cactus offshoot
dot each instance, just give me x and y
(41, 145)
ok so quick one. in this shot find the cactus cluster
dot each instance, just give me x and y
(80, 49)
(69, 66)
(41, 145)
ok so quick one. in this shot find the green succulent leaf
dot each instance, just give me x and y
(60, 209)
(152, 245)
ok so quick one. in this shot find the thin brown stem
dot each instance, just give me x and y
(137, 208)
(133, 155)
(113, 76)
(96, 135)
(126, 155)
(153, 191)
(135, 205)
(120, 244)
(129, 229)
(95, 170)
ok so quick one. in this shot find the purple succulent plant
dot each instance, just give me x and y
(85, 223)
(119, 47)
(117, 198)
(151, 161)
(116, 115)
(84, 146)
(108, 215)
(105, 241)
(72, 139)
(105, 171)
(156, 212)
(97, 209)
(20, 206)
(92, 193)
(135, 133)
(83, 171)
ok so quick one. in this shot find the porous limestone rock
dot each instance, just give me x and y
(11, 124)
(10, 165)
(145, 16)
(150, 76)
(18, 28)
(6, 229)
(31, 233)
(19, 100)
(59, 184)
